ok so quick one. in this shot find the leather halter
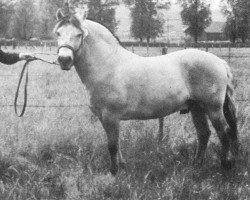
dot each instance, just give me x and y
(70, 47)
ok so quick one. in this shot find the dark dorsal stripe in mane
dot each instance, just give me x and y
(118, 39)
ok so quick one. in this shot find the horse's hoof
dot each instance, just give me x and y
(114, 170)
(227, 164)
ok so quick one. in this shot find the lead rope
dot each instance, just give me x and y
(25, 68)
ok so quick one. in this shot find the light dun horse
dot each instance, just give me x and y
(125, 86)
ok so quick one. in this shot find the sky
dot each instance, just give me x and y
(216, 10)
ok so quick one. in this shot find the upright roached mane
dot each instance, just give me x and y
(125, 86)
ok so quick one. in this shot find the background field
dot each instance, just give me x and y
(58, 149)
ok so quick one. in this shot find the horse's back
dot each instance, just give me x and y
(173, 79)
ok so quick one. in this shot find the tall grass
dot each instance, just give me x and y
(78, 169)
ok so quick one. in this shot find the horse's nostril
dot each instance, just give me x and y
(64, 60)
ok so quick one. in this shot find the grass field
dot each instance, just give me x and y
(58, 149)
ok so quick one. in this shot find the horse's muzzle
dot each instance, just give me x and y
(65, 62)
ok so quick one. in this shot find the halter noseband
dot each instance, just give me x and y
(70, 47)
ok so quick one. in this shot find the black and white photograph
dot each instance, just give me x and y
(125, 99)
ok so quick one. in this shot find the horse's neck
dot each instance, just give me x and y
(101, 54)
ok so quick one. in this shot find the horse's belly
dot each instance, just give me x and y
(145, 114)
(157, 99)
(154, 109)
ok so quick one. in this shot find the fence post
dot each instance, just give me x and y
(164, 50)
(133, 50)
(147, 49)
(206, 47)
(229, 53)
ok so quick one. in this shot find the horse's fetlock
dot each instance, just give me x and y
(227, 164)
(114, 170)
(112, 149)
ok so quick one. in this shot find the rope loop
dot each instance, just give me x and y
(25, 97)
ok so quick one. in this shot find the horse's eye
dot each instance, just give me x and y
(57, 34)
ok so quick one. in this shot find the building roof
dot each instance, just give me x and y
(215, 27)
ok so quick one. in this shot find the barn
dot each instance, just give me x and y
(215, 32)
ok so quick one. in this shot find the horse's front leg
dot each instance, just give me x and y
(110, 123)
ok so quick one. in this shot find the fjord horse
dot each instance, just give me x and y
(125, 86)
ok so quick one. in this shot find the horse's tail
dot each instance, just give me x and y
(229, 107)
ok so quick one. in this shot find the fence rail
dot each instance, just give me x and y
(47, 106)
(73, 106)
(229, 56)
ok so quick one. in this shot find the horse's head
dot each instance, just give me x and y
(70, 35)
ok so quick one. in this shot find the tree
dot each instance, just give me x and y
(230, 29)
(5, 15)
(24, 20)
(80, 3)
(238, 19)
(101, 11)
(145, 23)
(196, 15)
(47, 17)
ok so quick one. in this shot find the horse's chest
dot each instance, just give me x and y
(107, 97)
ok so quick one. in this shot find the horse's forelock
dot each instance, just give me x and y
(70, 19)
(73, 20)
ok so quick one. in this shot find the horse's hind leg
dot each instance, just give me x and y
(160, 133)
(223, 130)
(229, 111)
(201, 124)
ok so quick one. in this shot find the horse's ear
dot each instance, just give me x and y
(59, 14)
